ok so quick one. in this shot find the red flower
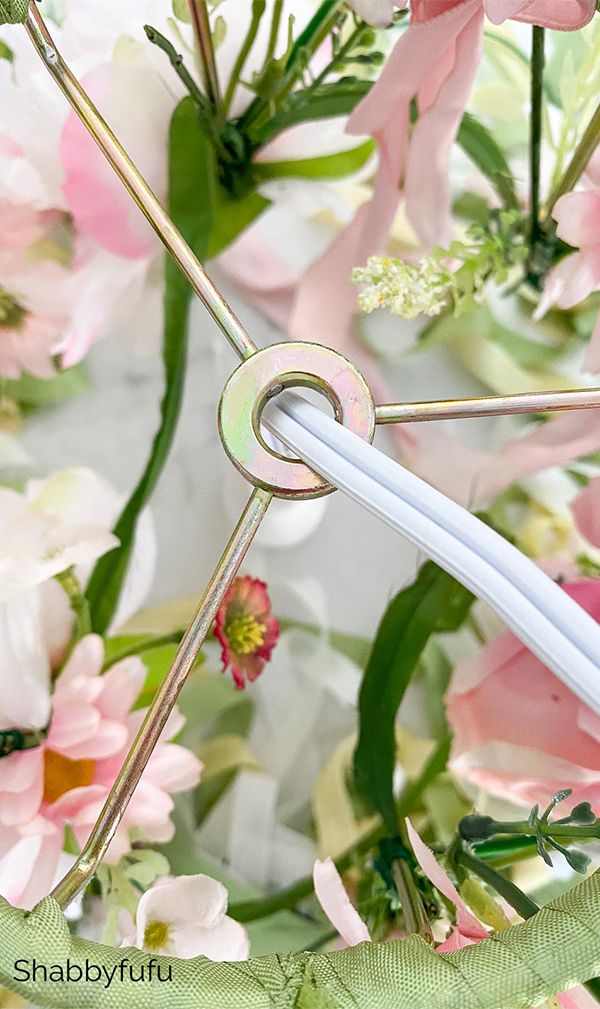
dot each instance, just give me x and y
(247, 629)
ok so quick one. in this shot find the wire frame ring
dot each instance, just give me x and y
(266, 374)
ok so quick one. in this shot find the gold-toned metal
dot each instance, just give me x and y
(254, 382)
(488, 406)
(137, 186)
(204, 41)
(160, 709)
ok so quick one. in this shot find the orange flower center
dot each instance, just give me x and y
(61, 775)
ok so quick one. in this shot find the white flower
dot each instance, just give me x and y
(81, 496)
(24, 665)
(36, 545)
(185, 917)
(378, 13)
(56, 523)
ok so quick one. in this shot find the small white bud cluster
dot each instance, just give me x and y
(406, 289)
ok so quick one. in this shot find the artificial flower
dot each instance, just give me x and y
(519, 732)
(137, 91)
(186, 917)
(55, 524)
(96, 291)
(468, 929)
(80, 496)
(574, 278)
(378, 13)
(32, 289)
(247, 629)
(67, 778)
(58, 293)
(434, 62)
(334, 900)
(121, 84)
(36, 545)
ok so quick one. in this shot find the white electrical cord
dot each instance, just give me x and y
(540, 613)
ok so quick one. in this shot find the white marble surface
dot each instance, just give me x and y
(356, 561)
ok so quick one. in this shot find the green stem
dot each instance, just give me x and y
(304, 47)
(535, 136)
(576, 167)
(144, 645)
(518, 900)
(507, 850)
(252, 910)
(416, 921)
(78, 603)
(176, 61)
(571, 832)
(274, 33)
(258, 9)
(522, 904)
(350, 44)
(206, 50)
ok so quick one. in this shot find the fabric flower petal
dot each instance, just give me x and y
(336, 904)
(468, 925)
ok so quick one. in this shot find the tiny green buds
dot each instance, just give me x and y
(580, 825)
(477, 828)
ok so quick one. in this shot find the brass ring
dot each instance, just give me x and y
(263, 376)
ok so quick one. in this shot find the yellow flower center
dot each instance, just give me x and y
(61, 775)
(245, 634)
(12, 313)
(156, 935)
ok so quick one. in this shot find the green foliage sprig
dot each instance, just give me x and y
(454, 277)
(579, 826)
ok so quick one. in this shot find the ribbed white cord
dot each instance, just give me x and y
(540, 613)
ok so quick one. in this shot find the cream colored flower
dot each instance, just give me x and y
(185, 917)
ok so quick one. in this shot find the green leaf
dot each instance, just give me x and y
(582, 813)
(437, 670)
(35, 393)
(473, 208)
(329, 166)
(479, 145)
(142, 866)
(181, 10)
(325, 102)
(6, 52)
(433, 601)
(232, 216)
(191, 206)
(157, 662)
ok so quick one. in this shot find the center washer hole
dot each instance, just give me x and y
(314, 396)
